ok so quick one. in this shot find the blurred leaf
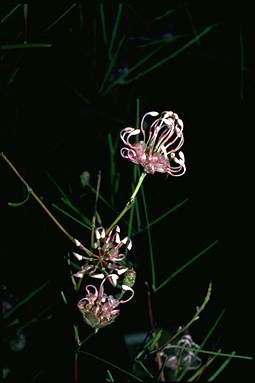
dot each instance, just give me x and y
(111, 364)
(183, 267)
(25, 300)
(221, 368)
(4, 18)
(110, 377)
(25, 13)
(212, 328)
(177, 206)
(115, 28)
(72, 217)
(60, 17)
(102, 16)
(172, 55)
(25, 46)
(18, 204)
(159, 63)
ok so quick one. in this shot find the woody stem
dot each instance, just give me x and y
(30, 191)
(130, 202)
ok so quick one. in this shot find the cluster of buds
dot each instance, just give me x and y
(99, 309)
(183, 355)
(156, 152)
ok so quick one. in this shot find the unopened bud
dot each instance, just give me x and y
(129, 277)
(84, 178)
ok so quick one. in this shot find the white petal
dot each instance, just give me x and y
(180, 122)
(98, 276)
(78, 256)
(126, 288)
(135, 131)
(79, 274)
(77, 242)
(125, 240)
(181, 155)
(154, 114)
(121, 271)
(100, 232)
(117, 238)
(113, 279)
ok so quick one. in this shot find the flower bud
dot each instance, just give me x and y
(129, 277)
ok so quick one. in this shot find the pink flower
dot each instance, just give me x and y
(157, 152)
(182, 357)
(99, 309)
(108, 259)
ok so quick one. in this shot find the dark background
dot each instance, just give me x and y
(48, 126)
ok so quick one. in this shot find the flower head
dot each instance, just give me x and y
(157, 151)
(182, 357)
(99, 309)
(109, 258)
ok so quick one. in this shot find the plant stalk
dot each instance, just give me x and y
(130, 202)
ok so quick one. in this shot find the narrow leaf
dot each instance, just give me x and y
(183, 267)
(112, 365)
(25, 300)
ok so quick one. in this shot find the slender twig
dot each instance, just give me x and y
(194, 318)
(2, 20)
(74, 240)
(95, 209)
(59, 18)
(129, 204)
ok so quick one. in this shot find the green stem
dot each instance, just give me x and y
(129, 204)
(196, 316)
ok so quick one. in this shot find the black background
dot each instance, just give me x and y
(47, 127)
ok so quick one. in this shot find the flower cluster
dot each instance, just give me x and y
(106, 261)
(99, 309)
(157, 151)
(181, 356)
(109, 258)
